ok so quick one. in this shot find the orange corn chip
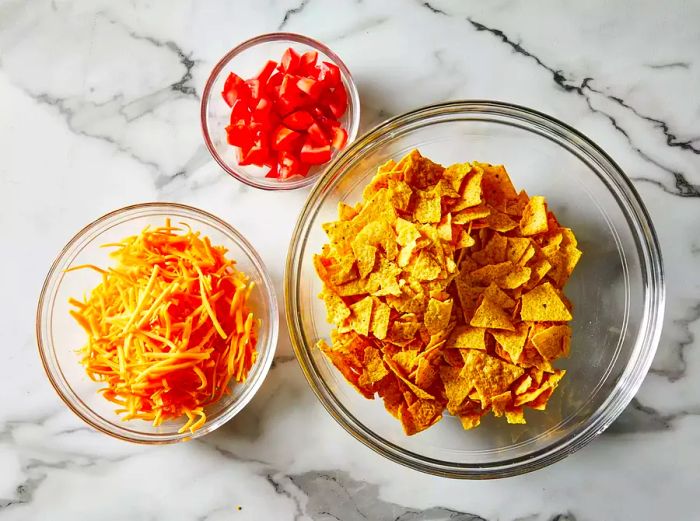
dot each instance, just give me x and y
(542, 304)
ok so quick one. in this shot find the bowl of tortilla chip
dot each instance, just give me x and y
(474, 290)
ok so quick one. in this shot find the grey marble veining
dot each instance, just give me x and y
(99, 108)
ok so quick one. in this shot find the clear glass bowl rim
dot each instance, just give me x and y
(650, 260)
(84, 412)
(353, 100)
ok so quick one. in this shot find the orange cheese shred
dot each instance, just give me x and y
(169, 327)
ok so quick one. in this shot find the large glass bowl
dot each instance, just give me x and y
(246, 60)
(617, 289)
(59, 336)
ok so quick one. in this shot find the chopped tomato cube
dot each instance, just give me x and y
(255, 155)
(285, 138)
(255, 88)
(240, 112)
(310, 87)
(308, 62)
(340, 137)
(314, 154)
(234, 88)
(329, 74)
(266, 72)
(290, 165)
(336, 101)
(290, 61)
(317, 135)
(299, 120)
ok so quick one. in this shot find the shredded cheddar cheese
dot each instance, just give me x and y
(169, 327)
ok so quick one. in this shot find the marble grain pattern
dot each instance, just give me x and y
(99, 109)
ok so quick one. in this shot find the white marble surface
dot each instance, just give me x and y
(99, 108)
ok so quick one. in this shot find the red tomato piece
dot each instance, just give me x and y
(340, 137)
(239, 135)
(285, 138)
(290, 164)
(263, 117)
(255, 87)
(299, 120)
(326, 123)
(314, 154)
(336, 101)
(310, 87)
(291, 97)
(274, 171)
(290, 61)
(234, 88)
(240, 113)
(329, 74)
(316, 135)
(308, 62)
(272, 87)
(266, 72)
(256, 155)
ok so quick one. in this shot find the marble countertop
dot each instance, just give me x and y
(99, 108)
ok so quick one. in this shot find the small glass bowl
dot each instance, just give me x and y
(617, 288)
(59, 336)
(246, 60)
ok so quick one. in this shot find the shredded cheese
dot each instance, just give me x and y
(169, 326)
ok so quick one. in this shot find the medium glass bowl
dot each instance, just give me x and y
(59, 336)
(617, 288)
(246, 60)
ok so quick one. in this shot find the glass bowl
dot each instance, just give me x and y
(246, 60)
(617, 289)
(59, 336)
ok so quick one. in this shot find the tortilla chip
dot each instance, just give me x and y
(512, 342)
(491, 315)
(427, 206)
(425, 413)
(456, 387)
(380, 319)
(494, 293)
(489, 375)
(515, 415)
(553, 342)
(361, 315)
(467, 337)
(336, 310)
(542, 304)
(534, 218)
(420, 393)
(426, 374)
(437, 316)
(471, 214)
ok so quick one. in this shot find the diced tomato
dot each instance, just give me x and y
(234, 88)
(340, 137)
(310, 87)
(239, 135)
(272, 87)
(336, 101)
(285, 138)
(326, 123)
(329, 74)
(308, 62)
(266, 72)
(274, 171)
(263, 115)
(290, 165)
(290, 61)
(316, 135)
(299, 120)
(314, 154)
(255, 88)
(291, 97)
(240, 112)
(255, 155)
